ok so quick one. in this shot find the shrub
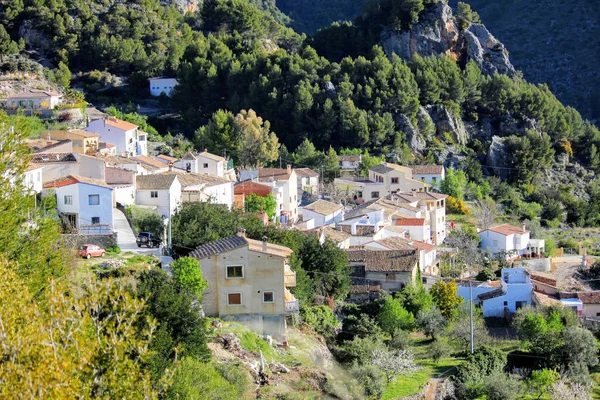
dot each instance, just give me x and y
(393, 316)
(113, 250)
(371, 378)
(194, 377)
(486, 274)
(64, 116)
(400, 341)
(320, 318)
(456, 206)
(236, 375)
(358, 350)
(440, 349)
(188, 274)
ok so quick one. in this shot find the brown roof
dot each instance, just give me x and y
(270, 174)
(211, 156)
(589, 297)
(491, 294)
(119, 123)
(34, 94)
(423, 246)
(77, 132)
(544, 299)
(350, 158)
(251, 187)
(324, 207)
(236, 241)
(45, 158)
(166, 157)
(306, 172)
(193, 179)
(391, 261)
(364, 289)
(507, 229)
(427, 169)
(49, 145)
(155, 181)
(149, 161)
(36, 144)
(395, 243)
(118, 160)
(336, 235)
(417, 196)
(410, 222)
(73, 179)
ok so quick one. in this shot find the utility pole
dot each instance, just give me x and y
(279, 162)
(471, 316)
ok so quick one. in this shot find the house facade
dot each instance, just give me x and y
(160, 191)
(390, 270)
(431, 174)
(34, 99)
(202, 187)
(84, 204)
(323, 212)
(32, 179)
(308, 180)
(130, 141)
(162, 85)
(510, 241)
(350, 163)
(248, 282)
(83, 142)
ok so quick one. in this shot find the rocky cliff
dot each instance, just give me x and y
(437, 32)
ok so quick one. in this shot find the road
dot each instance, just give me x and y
(126, 237)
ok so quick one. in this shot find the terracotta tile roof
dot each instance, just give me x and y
(491, 294)
(219, 246)
(395, 243)
(73, 179)
(336, 235)
(391, 261)
(53, 145)
(361, 230)
(68, 132)
(118, 160)
(356, 255)
(149, 161)
(192, 179)
(306, 173)
(427, 169)
(544, 299)
(155, 181)
(46, 158)
(364, 289)
(324, 207)
(589, 297)
(251, 187)
(350, 158)
(119, 123)
(210, 156)
(32, 166)
(233, 242)
(271, 174)
(410, 222)
(36, 144)
(166, 157)
(423, 246)
(507, 229)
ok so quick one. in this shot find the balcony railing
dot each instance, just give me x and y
(292, 306)
(289, 279)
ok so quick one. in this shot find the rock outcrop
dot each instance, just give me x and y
(415, 141)
(446, 122)
(438, 33)
(496, 157)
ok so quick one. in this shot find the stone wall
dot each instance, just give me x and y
(73, 241)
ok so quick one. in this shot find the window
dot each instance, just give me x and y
(95, 220)
(154, 194)
(521, 304)
(505, 303)
(308, 181)
(234, 299)
(130, 140)
(69, 200)
(188, 167)
(268, 297)
(142, 138)
(394, 181)
(235, 271)
(374, 195)
(205, 165)
(94, 199)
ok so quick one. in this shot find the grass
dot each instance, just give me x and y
(411, 384)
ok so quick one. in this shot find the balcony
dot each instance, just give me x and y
(292, 306)
(289, 279)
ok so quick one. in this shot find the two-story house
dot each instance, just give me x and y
(510, 241)
(428, 262)
(83, 142)
(389, 270)
(203, 187)
(323, 212)
(208, 163)
(130, 141)
(350, 163)
(433, 207)
(84, 204)
(431, 174)
(248, 282)
(308, 181)
(162, 191)
(287, 180)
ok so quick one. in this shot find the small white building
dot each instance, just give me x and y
(323, 212)
(130, 141)
(417, 228)
(308, 180)
(432, 174)
(34, 99)
(162, 85)
(83, 203)
(204, 187)
(159, 190)
(510, 240)
(350, 163)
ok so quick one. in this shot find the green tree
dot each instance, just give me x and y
(196, 380)
(187, 272)
(321, 319)
(445, 296)
(256, 145)
(306, 154)
(454, 184)
(431, 321)
(62, 75)
(579, 346)
(466, 16)
(541, 382)
(393, 316)
(470, 375)
(332, 165)
(260, 204)
(219, 136)
(368, 161)
(7, 46)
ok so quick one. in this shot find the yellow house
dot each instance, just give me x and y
(248, 282)
(83, 142)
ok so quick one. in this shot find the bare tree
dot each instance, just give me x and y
(485, 211)
(394, 362)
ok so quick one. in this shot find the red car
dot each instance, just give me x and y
(91, 250)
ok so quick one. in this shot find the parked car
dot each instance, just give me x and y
(148, 239)
(91, 250)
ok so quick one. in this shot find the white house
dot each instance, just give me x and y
(208, 163)
(33, 180)
(34, 99)
(513, 293)
(162, 85)
(204, 187)
(350, 163)
(509, 240)
(148, 165)
(83, 203)
(432, 174)
(323, 212)
(287, 180)
(130, 141)
(159, 190)
(308, 180)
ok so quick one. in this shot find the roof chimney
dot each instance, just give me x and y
(241, 232)
(289, 168)
(171, 166)
(264, 244)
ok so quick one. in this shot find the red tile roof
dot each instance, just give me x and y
(423, 246)
(410, 222)
(249, 187)
(73, 179)
(118, 123)
(507, 229)
(427, 169)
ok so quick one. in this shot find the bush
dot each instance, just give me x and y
(113, 250)
(358, 350)
(64, 116)
(486, 274)
(145, 220)
(188, 274)
(371, 378)
(431, 321)
(456, 206)
(321, 319)
(400, 340)
(236, 375)
(393, 316)
(440, 349)
(193, 378)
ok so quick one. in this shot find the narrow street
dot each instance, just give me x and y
(126, 236)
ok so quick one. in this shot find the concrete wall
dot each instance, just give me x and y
(66, 147)
(392, 281)
(75, 241)
(114, 175)
(212, 167)
(54, 171)
(124, 194)
(91, 167)
(33, 180)
(162, 85)
(432, 179)
(221, 194)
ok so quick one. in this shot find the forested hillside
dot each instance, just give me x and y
(343, 88)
